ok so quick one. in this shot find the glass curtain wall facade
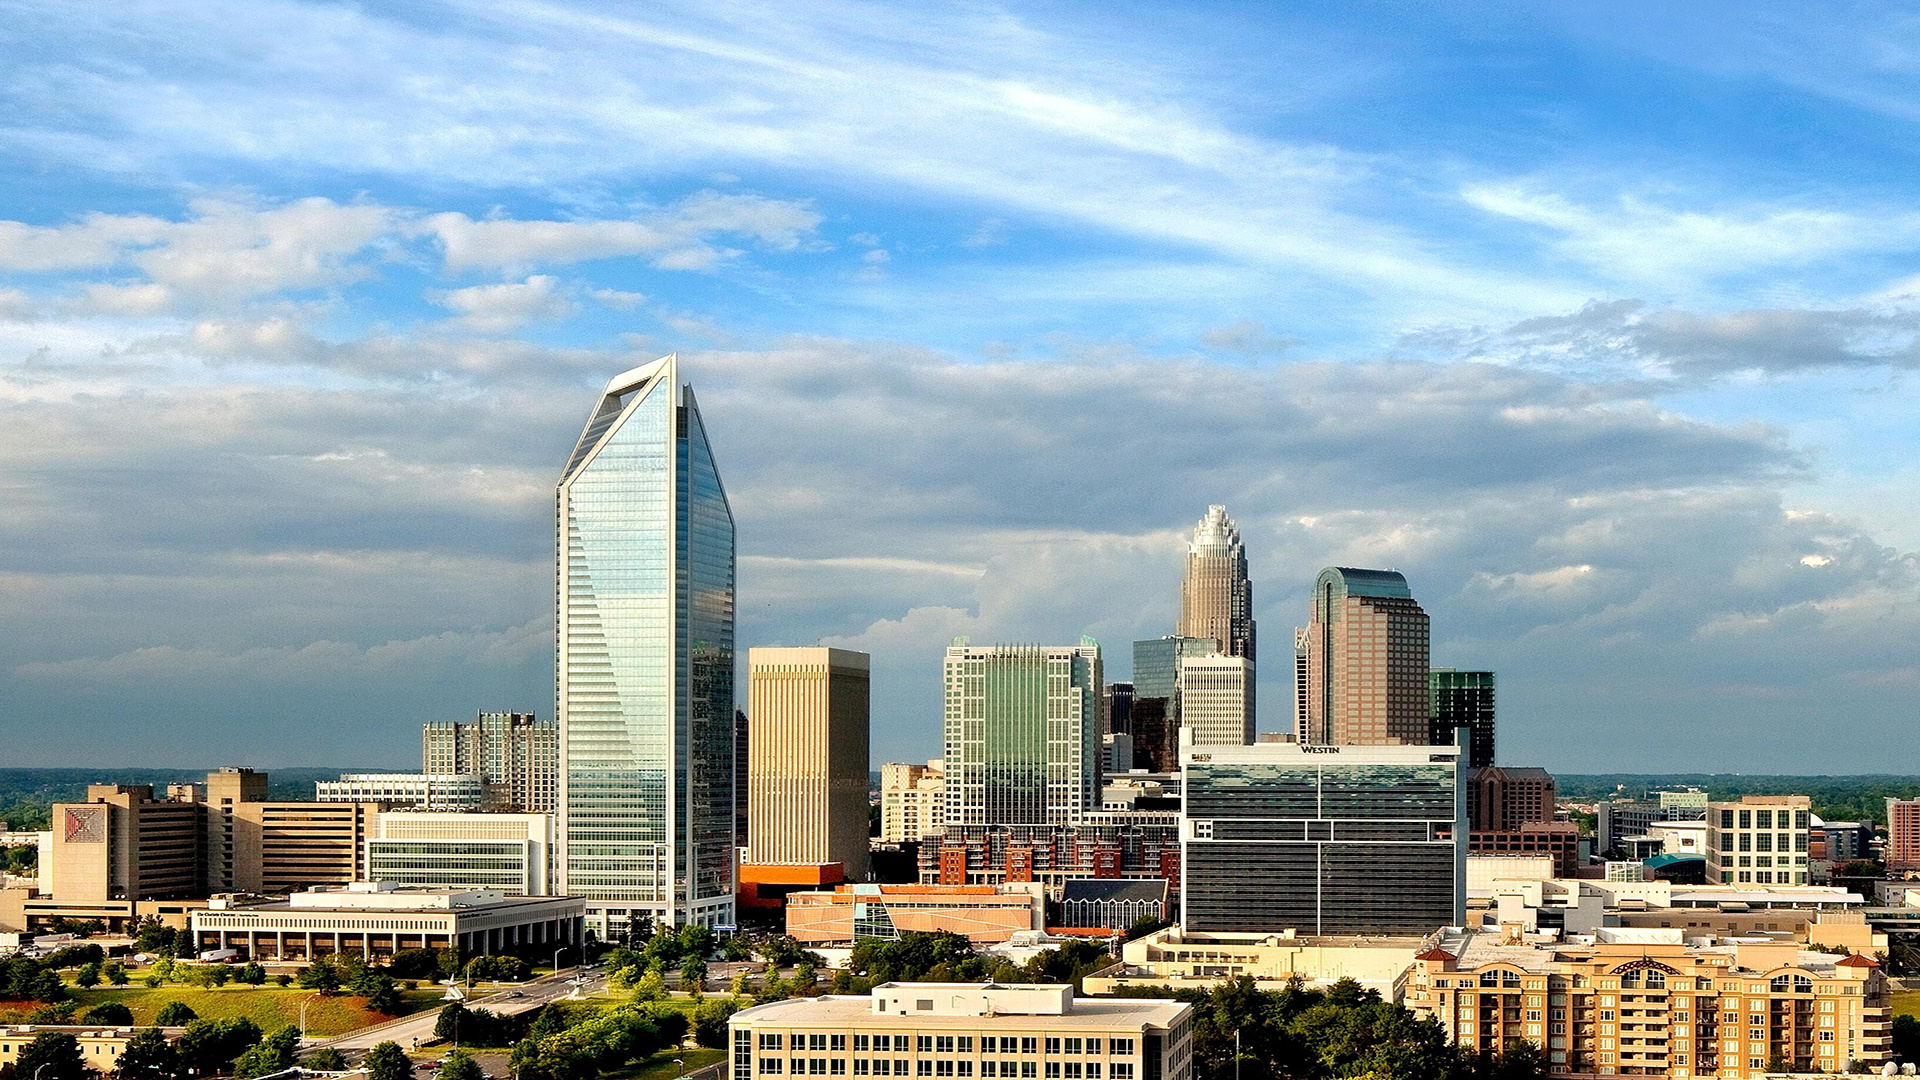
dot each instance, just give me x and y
(644, 657)
(1465, 699)
(1323, 840)
(1022, 734)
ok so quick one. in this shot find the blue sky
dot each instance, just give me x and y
(1598, 321)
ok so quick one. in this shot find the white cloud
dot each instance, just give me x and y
(496, 309)
(674, 238)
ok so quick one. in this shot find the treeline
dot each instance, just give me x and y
(27, 795)
(1241, 1032)
(232, 1047)
(1835, 798)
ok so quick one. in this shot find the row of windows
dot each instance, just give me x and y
(944, 1044)
(1007, 1070)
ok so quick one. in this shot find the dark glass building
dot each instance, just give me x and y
(1323, 839)
(1463, 699)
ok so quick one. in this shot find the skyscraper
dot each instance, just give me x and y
(1463, 699)
(1023, 733)
(1216, 599)
(644, 660)
(1366, 662)
(807, 773)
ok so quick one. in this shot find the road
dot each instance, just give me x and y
(417, 1029)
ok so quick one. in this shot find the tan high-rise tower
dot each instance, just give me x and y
(807, 775)
(1366, 662)
(1216, 599)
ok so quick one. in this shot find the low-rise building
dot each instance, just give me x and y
(1106, 844)
(1110, 904)
(980, 913)
(378, 919)
(100, 1046)
(1176, 959)
(964, 1030)
(1648, 1002)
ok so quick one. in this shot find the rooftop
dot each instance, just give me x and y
(960, 1007)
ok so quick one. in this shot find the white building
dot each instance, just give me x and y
(428, 791)
(964, 1030)
(510, 853)
(1760, 840)
(1216, 700)
(377, 919)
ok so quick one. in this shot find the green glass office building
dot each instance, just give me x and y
(1022, 733)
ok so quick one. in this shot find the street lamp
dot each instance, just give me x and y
(556, 958)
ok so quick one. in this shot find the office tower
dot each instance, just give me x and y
(1323, 840)
(1903, 834)
(644, 660)
(518, 756)
(740, 743)
(1116, 709)
(1501, 799)
(1760, 840)
(427, 791)
(426, 849)
(1300, 682)
(913, 801)
(1216, 599)
(1022, 731)
(1216, 700)
(122, 844)
(1462, 699)
(807, 774)
(1366, 662)
(1155, 712)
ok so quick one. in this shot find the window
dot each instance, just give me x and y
(899, 1066)
(1120, 1046)
(797, 1066)
(1826, 1036)
(860, 1066)
(769, 1040)
(966, 1068)
(1073, 1046)
(1093, 1046)
(1093, 1070)
(1606, 1014)
(943, 1068)
(862, 1043)
(1027, 1069)
(1073, 1070)
(1121, 1070)
(1008, 1044)
(923, 1004)
(816, 1066)
(814, 1042)
(926, 1044)
(1053, 1044)
(899, 1044)
(770, 1066)
(837, 1043)
(925, 1068)
(1053, 1070)
(942, 1044)
(966, 1045)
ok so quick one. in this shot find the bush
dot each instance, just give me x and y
(115, 973)
(88, 976)
(175, 1014)
(386, 1061)
(252, 975)
(710, 1021)
(270, 1055)
(326, 1060)
(415, 964)
(499, 968)
(110, 1013)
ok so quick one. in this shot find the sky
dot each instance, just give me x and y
(1597, 321)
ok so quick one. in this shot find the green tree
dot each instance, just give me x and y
(252, 975)
(114, 972)
(326, 1059)
(447, 1026)
(148, 1056)
(175, 1014)
(110, 1013)
(651, 987)
(87, 977)
(710, 1020)
(382, 995)
(736, 949)
(52, 1055)
(693, 975)
(269, 1055)
(320, 975)
(459, 1065)
(386, 1061)
(782, 951)
(209, 1046)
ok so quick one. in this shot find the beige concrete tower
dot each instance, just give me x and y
(807, 775)
(1366, 653)
(1216, 599)
(1216, 700)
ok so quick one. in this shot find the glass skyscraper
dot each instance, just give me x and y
(644, 660)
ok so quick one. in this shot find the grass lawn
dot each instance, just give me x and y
(1905, 1002)
(661, 1067)
(270, 1007)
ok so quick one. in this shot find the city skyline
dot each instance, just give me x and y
(1595, 323)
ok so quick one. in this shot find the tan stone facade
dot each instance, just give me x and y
(913, 801)
(1655, 1006)
(807, 716)
(1366, 662)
